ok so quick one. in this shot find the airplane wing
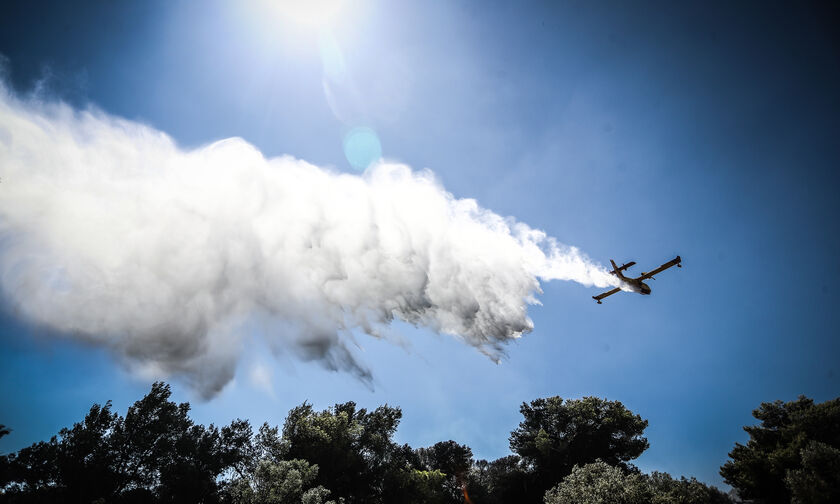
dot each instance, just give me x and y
(673, 262)
(599, 297)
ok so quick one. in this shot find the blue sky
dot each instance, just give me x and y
(632, 132)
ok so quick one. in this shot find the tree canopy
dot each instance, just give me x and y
(779, 456)
(155, 452)
(818, 480)
(602, 483)
(454, 462)
(565, 451)
(352, 447)
(279, 482)
(558, 434)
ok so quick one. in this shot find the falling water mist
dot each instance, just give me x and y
(111, 233)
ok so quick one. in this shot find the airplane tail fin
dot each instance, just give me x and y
(618, 269)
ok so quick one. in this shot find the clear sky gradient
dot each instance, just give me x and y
(634, 131)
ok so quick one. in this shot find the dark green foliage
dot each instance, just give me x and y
(556, 435)
(352, 448)
(667, 490)
(279, 482)
(415, 486)
(448, 457)
(406, 480)
(818, 480)
(268, 444)
(579, 449)
(156, 453)
(601, 483)
(500, 481)
(76, 466)
(758, 470)
(267, 477)
(454, 462)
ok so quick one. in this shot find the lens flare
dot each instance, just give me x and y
(362, 147)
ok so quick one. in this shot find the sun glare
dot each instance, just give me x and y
(308, 13)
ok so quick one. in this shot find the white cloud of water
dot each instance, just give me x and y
(111, 233)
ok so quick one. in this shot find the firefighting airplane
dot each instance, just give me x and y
(635, 284)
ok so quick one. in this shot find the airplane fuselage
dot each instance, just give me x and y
(635, 285)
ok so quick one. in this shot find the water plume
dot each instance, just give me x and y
(112, 233)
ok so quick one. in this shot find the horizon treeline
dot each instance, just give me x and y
(563, 451)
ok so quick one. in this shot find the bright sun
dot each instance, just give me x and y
(308, 13)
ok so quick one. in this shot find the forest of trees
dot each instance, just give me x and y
(564, 451)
